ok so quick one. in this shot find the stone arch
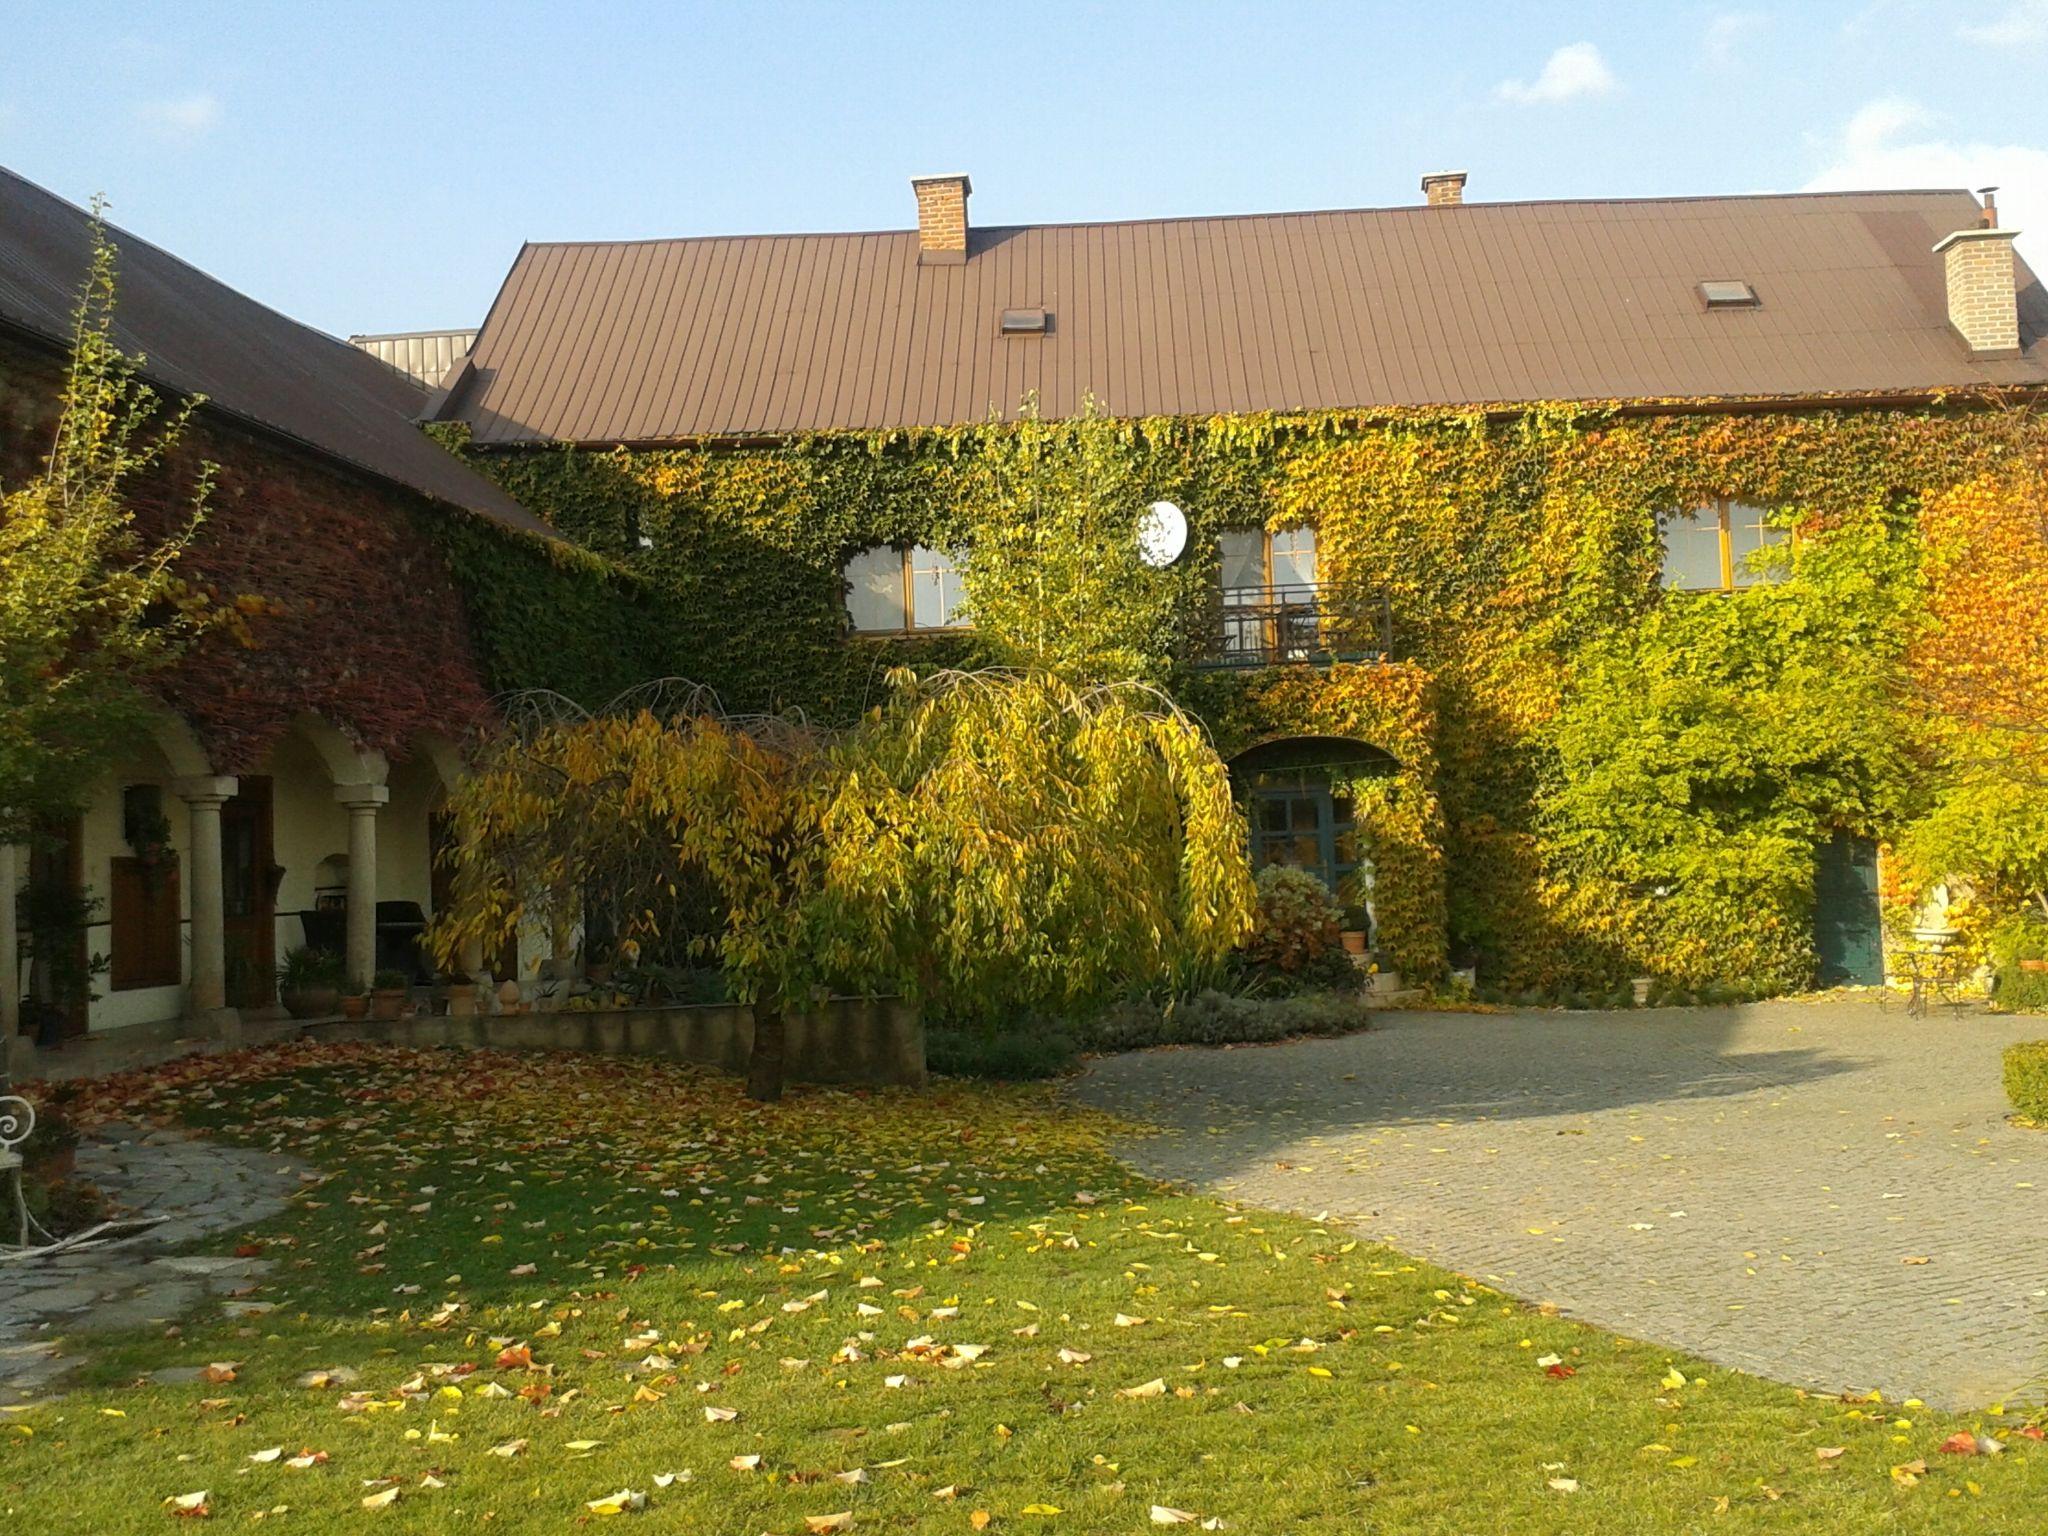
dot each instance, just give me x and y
(179, 745)
(1303, 754)
(346, 762)
(443, 755)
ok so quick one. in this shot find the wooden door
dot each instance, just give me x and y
(249, 895)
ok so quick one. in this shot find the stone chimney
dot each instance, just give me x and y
(1443, 189)
(1983, 299)
(941, 218)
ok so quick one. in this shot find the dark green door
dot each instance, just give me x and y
(1847, 931)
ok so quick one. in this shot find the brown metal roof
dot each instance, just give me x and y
(666, 340)
(199, 336)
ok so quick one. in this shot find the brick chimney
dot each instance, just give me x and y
(1444, 188)
(941, 218)
(1983, 299)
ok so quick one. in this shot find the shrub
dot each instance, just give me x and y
(1297, 922)
(2019, 989)
(307, 970)
(1014, 1055)
(2026, 1078)
(1222, 1018)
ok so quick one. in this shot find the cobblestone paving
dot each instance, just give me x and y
(1826, 1193)
(47, 1305)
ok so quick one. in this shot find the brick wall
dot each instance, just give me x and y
(352, 614)
(942, 215)
(1982, 302)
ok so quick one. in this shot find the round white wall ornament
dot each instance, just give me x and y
(1162, 534)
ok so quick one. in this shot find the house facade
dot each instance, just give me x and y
(287, 793)
(1438, 465)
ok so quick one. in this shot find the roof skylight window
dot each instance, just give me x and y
(1728, 293)
(1025, 322)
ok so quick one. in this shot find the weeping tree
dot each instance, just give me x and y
(1015, 842)
(981, 840)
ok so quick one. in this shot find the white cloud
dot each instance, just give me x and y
(1576, 69)
(182, 117)
(1892, 143)
(1727, 33)
(2020, 23)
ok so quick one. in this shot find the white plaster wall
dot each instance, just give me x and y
(404, 857)
(307, 825)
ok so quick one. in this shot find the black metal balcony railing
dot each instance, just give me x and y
(1272, 626)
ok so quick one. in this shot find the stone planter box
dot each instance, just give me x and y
(869, 1040)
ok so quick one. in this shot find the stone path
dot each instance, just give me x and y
(1826, 1193)
(46, 1304)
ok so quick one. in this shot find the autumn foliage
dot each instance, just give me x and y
(1981, 667)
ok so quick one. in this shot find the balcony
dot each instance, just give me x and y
(1279, 626)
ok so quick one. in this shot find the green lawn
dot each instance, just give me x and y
(701, 1283)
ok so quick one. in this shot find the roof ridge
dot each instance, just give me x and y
(1461, 209)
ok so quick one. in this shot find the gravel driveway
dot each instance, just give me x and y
(1822, 1192)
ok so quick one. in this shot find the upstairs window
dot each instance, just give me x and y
(1721, 547)
(1255, 561)
(893, 590)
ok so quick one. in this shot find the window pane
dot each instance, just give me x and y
(1294, 558)
(1244, 561)
(934, 589)
(1692, 549)
(874, 580)
(1749, 531)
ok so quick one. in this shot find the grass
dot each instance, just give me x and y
(663, 1249)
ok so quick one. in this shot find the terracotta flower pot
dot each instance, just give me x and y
(387, 1002)
(461, 1000)
(311, 1002)
(1354, 941)
(354, 1006)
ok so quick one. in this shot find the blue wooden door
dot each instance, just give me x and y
(1848, 933)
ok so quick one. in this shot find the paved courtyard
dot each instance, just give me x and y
(201, 1187)
(1825, 1193)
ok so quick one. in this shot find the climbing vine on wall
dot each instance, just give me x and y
(1520, 557)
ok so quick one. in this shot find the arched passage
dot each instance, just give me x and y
(1299, 801)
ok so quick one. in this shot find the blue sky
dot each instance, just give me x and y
(373, 167)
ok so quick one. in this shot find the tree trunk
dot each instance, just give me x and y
(764, 1063)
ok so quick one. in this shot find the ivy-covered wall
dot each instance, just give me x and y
(384, 614)
(1521, 559)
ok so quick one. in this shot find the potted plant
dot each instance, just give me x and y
(309, 983)
(389, 993)
(457, 993)
(1356, 932)
(148, 832)
(354, 1002)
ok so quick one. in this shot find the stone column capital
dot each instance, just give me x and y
(206, 789)
(363, 797)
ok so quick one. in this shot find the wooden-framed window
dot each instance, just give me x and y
(894, 589)
(142, 909)
(1305, 826)
(1257, 560)
(1721, 547)
(1272, 610)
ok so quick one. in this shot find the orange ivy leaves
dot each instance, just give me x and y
(1981, 665)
